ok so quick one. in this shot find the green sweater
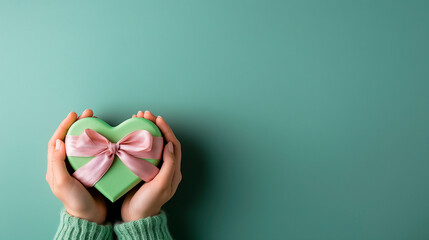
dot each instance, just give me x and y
(150, 228)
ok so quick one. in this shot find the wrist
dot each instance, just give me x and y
(154, 227)
(76, 228)
(87, 215)
(146, 214)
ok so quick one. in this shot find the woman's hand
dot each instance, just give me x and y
(77, 201)
(149, 198)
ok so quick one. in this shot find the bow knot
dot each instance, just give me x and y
(130, 150)
(113, 148)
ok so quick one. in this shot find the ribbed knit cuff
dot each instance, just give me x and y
(150, 228)
(80, 229)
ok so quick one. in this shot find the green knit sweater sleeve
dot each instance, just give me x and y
(150, 228)
(79, 229)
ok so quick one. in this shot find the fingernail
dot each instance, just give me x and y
(140, 112)
(170, 147)
(58, 144)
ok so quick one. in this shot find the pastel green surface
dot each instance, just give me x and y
(118, 180)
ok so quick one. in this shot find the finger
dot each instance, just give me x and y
(140, 114)
(177, 178)
(176, 181)
(149, 116)
(165, 175)
(169, 136)
(59, 170)
(86, 113)
(165, 129)
(62, 129)
(178, 174)
(134, 116)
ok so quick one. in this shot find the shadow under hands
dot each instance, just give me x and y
(194, 182)
(189, 193)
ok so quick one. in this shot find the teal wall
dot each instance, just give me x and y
(299, 119)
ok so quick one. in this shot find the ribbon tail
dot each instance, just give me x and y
(90, 173)
(140, 167)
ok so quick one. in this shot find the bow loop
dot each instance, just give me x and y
(138, 141)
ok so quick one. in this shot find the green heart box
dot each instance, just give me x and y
(118, 180)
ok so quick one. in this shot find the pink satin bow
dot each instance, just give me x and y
(132, 147)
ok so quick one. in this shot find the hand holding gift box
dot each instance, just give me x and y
(114, 159)
(124, 155)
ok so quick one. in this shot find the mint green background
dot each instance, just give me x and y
(299, 119)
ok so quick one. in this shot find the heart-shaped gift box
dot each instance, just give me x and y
(118, 179)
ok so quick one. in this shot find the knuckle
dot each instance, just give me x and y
(168, 194)
(178, 177)
(163, 189)
(52, 141)
(60, 182)
(173, 163)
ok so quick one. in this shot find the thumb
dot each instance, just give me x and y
(59, 151)
(166, 173)
(58, 165)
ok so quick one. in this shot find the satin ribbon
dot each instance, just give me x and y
(130, 149)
